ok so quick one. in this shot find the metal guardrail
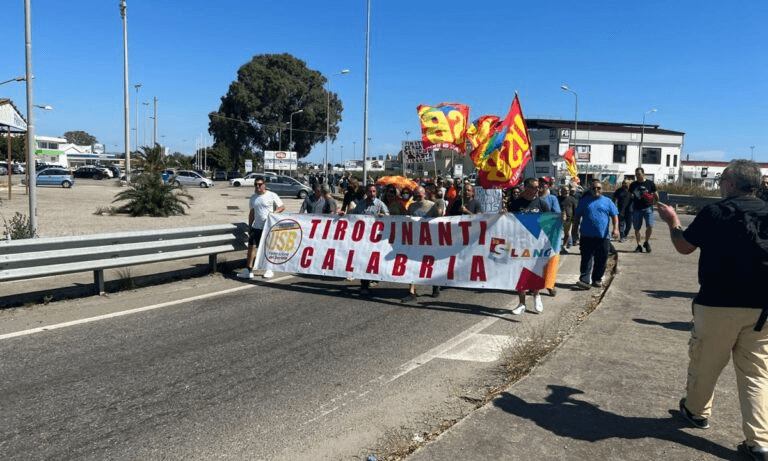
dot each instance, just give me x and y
(30, 258)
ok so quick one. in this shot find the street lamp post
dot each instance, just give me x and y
(752, 153)
(127, 115)
(136, 145)
(290, 135)
(572, 139)
(642, 135)
(144, 128)
(365, 97)
(30, 119)
(328, 119)
(20, 78)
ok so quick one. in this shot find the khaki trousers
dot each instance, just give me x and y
(719, 333)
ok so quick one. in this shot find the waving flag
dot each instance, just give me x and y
(444, 126)
(570, 162)
(506, 152)
(480, 134)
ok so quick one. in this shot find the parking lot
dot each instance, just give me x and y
(73, 211)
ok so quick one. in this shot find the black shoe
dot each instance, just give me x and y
(647, 247)
(435, 292)
(409, 298)
(582, 285)
(701, 423)
(756, 453)
(597, 284)
(639, 249)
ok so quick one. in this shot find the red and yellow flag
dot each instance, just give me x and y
(506, 152)
(480, 133)
(444, 126)
(570, 163)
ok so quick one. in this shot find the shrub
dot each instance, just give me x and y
(148, 195)
(20, 227)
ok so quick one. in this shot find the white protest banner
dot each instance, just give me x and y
(494, 251)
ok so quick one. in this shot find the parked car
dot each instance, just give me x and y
(191, 178)
(18, 168)
(3, 171)
(286, 186)
(219, 175)
(233, 174)
(92, 172)
(53, 176)
(248, 180)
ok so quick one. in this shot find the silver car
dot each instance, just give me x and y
(191, 178)
(287, 186)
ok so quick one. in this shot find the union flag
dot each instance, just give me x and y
(444, 126)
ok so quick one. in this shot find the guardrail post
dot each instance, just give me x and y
(98, 281)
(212, 262)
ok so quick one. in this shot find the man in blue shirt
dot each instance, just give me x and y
(597, 212)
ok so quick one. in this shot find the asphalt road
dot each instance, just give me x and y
(291, 369)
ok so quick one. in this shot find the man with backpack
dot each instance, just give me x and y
(731, 307)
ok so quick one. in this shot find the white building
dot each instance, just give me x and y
(706, 173)
(604, 150)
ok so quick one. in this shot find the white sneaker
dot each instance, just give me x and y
(537, 304)
(519, 309)
(268, 274)
(245, 274)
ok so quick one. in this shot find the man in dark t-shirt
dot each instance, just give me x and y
(622, 199)
(730, 309)
(466, 204)
(529, 200)
(644, 195)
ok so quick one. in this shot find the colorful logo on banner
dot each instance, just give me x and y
(283, 242)
(502, 150)
(444, 126)
(494, 251)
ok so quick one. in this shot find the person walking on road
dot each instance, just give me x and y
(371, 206)
(644, 195)
(528, 202)
(731, 307)
(597, 212)
(622, 199)
(568, 206)
(261, 204)
(422, 208)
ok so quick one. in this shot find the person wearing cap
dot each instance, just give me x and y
(731, 307)
(544, 193)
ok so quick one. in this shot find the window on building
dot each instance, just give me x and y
(582, 153)
(619, 153)
(674, 159)
(542, 153)
(668, 159)
(652, 155)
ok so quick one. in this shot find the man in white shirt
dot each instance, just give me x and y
(262, 203)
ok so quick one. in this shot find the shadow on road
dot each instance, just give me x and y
(565, 416)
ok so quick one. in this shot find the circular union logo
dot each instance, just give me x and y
(283, 241)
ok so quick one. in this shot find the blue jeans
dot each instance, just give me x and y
(639, 215)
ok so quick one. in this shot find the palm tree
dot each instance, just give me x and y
(149, 195)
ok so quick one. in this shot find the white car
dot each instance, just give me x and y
(190, 178)
(248, 180)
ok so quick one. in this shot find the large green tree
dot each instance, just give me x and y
(80, 138)
(18, 147)
(256, 111)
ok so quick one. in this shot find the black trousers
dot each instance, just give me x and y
(594, 258)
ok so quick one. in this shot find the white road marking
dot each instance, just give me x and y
(133, 311)
(480, 348)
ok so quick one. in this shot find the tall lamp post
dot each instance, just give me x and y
(642, 135)
(136, 145)
(365, 103)
(752, 153)
(572, 138)
(328, 119)
(20, 78)
(30, 119)
(127, 115)
(290, 134)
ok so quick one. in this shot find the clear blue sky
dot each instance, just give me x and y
(701, 64)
